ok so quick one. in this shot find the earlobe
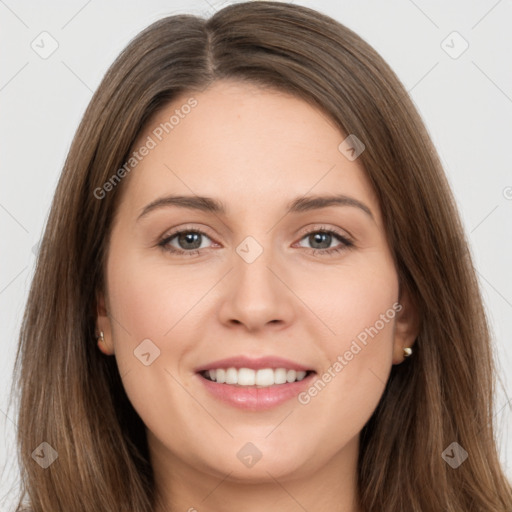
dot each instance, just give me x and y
(102, 345)
(103, 326)
(407, 325)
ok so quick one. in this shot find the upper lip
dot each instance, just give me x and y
(255, 363)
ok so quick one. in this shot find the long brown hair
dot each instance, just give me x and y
(72, 397)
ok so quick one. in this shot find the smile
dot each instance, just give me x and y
(263, 377)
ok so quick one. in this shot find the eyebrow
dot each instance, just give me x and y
(211, 205)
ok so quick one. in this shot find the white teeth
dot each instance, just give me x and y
(249, 377)
(231, 376)
(246, 376)
(280, 376)
(265, 377)
(291, 375)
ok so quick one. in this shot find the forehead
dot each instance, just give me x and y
(245, 144)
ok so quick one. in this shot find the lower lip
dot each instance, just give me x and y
(253, 398)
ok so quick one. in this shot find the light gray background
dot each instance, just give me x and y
(466, 103)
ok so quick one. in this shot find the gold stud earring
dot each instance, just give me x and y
(101, 344)
(407, 351)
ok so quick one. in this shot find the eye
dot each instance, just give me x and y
(321, 240)
(189, 242)
(186, 242)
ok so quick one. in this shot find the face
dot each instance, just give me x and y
(262, 271)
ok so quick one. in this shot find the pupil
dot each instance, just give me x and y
(192, 238)
(317, 238)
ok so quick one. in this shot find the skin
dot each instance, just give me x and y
(255, 150)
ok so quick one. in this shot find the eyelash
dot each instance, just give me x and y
(345, 242)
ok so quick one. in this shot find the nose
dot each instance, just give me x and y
(256, 295)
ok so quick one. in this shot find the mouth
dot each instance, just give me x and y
(252, 378)
(255, 389)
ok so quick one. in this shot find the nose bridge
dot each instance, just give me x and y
(256, 296)
(254, 257)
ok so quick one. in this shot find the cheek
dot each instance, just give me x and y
(360, 308)
(148, 299)
(350, 301)
(140, 316)
(147, 310)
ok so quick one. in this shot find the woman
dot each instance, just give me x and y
(255, 369)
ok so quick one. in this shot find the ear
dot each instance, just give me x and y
(104, 325)
(407, 326)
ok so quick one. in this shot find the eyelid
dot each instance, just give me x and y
(186, 227)
(347, 241)
(332, 229)
(205, 230)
